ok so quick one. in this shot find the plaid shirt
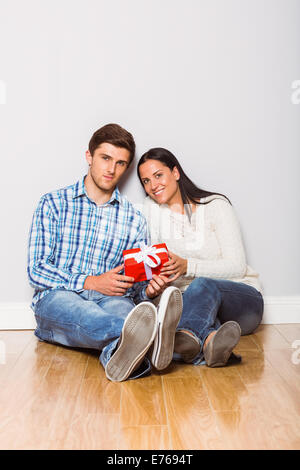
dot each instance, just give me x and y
(71, 238)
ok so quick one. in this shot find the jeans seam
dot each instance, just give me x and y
(55, 322)
(241, 293)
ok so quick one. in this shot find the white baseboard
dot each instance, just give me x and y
(19, 316)
(16, 316)
(281, 310)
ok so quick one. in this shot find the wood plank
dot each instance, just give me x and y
(285, 363)
(40, 391)
(16, 341)
(266, 413)
(224, 387)
(244, 429)
(255, 368)
(94, 368)
(25, 378)
(21, 423)
(267, 337)
(6, 365)
(94, 431)
(142, 402)
(191, 421)
(65, 410)
(276, 412)
(246, 343)
(144, 438)
(291, 332)
(98, 395)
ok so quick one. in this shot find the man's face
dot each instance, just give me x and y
(107, 165)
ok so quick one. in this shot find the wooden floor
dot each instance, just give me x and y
(53, 397)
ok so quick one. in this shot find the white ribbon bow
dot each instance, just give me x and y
(144, 256)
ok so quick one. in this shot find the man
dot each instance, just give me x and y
(76, 241)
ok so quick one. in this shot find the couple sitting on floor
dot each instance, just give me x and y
(195, 311)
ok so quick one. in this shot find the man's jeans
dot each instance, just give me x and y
(208, 303)
(86, 320)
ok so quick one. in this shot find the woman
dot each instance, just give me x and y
(221, 294)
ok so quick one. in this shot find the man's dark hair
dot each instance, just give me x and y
(115, 135)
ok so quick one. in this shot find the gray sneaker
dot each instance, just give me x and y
(219, 348)
(169, 313)
(137, 335)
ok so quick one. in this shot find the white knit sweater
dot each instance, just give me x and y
(211, 242)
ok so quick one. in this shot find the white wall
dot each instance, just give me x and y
(211, 80)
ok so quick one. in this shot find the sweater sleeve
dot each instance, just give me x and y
(232, 260)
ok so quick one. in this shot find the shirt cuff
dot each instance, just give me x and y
(143, 296)
(76, 282)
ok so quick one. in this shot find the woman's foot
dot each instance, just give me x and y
(219, 344)
(187, 345)
(208, 339)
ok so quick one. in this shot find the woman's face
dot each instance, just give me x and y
(160, 182)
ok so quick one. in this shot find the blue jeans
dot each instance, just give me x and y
(207, 303)
(85, 320)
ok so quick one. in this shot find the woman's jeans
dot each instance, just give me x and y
(207, 303)
(85, 320)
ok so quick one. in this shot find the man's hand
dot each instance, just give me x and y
(110, 283)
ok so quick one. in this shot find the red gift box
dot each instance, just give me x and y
(142, 263)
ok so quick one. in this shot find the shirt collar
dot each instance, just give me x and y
(79, 190)
(115, 197)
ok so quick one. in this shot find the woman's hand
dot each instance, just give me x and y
(175, 266)
(156, 286)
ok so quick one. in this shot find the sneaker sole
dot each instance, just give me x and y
(163, 347)
(221, 345)
(186, 345)
(138, 333)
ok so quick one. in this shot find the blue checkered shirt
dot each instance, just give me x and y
(72, 238)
